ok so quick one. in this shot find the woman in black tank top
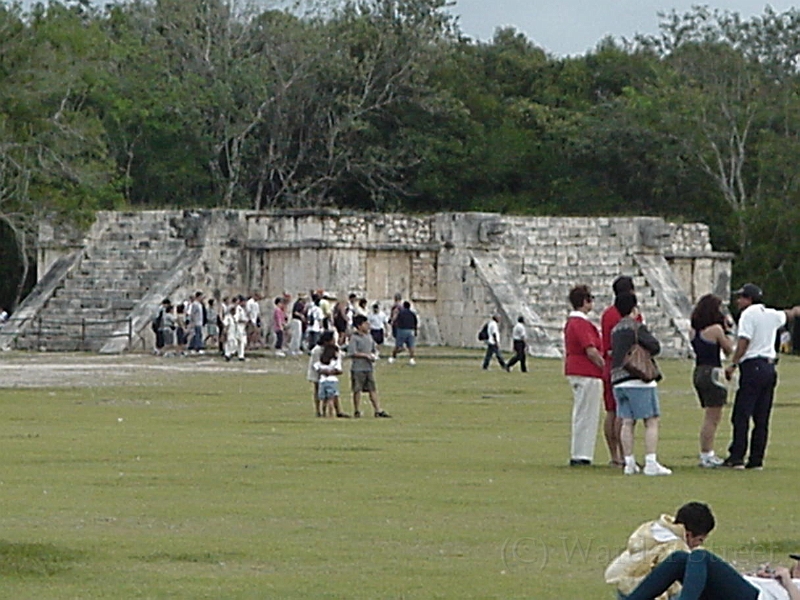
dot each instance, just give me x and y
(708, 338)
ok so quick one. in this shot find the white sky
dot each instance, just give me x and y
(565, 27)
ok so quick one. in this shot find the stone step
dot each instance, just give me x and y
(97, 285)
(76, 298)
(59, 344)
(148, 261)
(109, 312)
(142, 262)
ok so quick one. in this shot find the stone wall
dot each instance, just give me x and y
(457, 268)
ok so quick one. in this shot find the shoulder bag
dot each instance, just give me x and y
(638, 361)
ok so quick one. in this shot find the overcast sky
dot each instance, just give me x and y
(574, 26)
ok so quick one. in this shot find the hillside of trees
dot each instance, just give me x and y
(384, 105)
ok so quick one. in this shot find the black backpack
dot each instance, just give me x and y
(483, 334)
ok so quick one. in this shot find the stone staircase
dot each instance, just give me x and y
(532, 273)
(511, 301)
(124, 260)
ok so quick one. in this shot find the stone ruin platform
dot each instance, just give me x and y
(97, 290)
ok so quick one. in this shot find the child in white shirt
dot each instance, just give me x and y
(329, 368)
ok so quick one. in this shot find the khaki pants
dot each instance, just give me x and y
(587, 397)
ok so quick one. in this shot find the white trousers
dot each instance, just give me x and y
(295, 336)
(235, 342)
(587, 398)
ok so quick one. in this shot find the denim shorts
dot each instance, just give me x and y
(405, 337)
(328, 390)
(636, 403)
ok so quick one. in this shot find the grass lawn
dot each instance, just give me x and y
(141, 477)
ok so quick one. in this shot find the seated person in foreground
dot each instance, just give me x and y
(654, 541)
(706, 576)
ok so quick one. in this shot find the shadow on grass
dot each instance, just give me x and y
(43, 560)
(346, 449)
(209, 558)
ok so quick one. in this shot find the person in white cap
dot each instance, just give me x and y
(754, 356)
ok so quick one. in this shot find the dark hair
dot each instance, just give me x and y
(708, 311)
(520, 319)
(578, 295)
(696, 518)
(325, 338)
(358, 320)
(406, 304)
(211, 302)
(622, 285)
(625, 303)
(362, 302)
(329, 352)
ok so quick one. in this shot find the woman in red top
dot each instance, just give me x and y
(608, 320)
(583, 367)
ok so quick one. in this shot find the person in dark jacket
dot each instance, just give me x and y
(406, 332)
(636, 400)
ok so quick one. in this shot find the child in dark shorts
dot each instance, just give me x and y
(363, 352)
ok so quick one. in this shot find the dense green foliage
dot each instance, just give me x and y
(132, 477)
(384, 105)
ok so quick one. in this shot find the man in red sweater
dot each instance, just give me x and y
(583, 367)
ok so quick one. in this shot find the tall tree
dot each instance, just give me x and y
(53, 157)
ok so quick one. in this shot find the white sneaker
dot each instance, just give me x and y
(391, 359)
(656, 469)
(710, 462)
(631, 469)
(280, 353)
(412, 362)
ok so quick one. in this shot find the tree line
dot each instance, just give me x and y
(385, 105)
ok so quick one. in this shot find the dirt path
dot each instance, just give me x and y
(92, 370)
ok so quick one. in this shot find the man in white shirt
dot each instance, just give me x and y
(314, 319)
(235, 323)
(493, 343)
(519, 339)
(253, 311)
(755, 357)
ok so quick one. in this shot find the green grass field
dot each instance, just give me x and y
(150, 478)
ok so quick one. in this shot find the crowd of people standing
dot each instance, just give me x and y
(234, 325)
(605, 365)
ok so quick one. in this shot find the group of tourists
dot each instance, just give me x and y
(616, 364)
(318, 312)
(490, 335)
(235, 324)
(183, 326)
(353, 331)
(325, 366)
